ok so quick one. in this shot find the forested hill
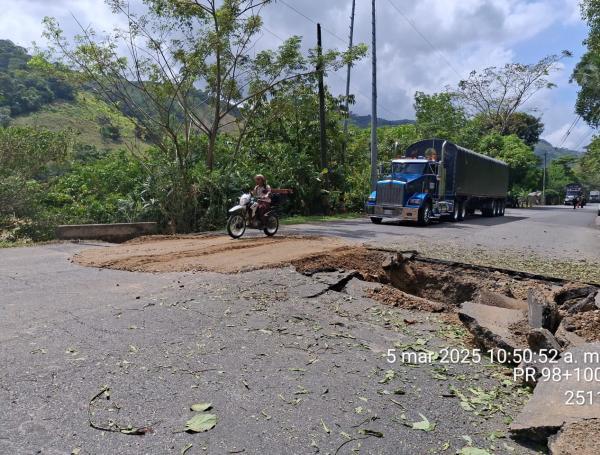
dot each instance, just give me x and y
(552, 152)
(364, 121)
(23, 89)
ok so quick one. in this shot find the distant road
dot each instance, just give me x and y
(555, 231)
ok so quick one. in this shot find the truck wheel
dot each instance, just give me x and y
(462, 214)
(425, 215)
(456, 211)
(376, 220)
(502, 208)
(487, 209)
(495, 208)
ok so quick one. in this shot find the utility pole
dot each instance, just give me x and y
(544, 179)
(323, 140)
(374, 101)
(347, 102)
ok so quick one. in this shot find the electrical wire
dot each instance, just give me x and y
(416, 29)
(569, 130)
(584, 138)
(357, 92)
(313, 21)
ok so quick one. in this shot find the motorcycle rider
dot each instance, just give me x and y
(262, 192)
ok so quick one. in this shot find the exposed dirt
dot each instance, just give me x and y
(416, 284)
(215, 253)
(367, 263)
(586, 325)
(519, 332)
(395, 297)
(579, 438)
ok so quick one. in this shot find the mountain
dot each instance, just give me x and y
(545, 147)
(364, 121)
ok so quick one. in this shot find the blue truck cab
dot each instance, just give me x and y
(404, 191)
(437, 179)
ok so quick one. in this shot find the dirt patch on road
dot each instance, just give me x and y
(586, 325)
(216, 253)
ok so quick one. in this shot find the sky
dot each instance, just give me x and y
(422, 45)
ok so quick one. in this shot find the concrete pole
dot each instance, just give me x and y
(347, 102)
(544, 178)
(374, 100)
(322, 125)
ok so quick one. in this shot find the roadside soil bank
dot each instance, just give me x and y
(215, 253)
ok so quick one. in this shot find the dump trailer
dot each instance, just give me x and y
(437, 180)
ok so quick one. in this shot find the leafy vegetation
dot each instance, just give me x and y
(23, 88)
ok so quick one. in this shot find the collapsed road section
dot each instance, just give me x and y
(544, 327)
(548, 329)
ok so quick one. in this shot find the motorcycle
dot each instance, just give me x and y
(244, 215)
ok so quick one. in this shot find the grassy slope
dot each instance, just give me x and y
(81, 116)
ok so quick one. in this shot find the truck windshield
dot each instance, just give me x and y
(408, 168)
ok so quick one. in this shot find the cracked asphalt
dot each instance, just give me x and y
(284, 373)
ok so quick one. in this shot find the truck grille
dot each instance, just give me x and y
(391, 193)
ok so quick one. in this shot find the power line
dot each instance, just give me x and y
(312, 20)
(357, 92)
(569, 130)
(584, 138)
(416, 29)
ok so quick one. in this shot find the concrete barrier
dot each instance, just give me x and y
(116, 233)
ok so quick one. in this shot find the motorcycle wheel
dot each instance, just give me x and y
(272, 225)
(236, 226)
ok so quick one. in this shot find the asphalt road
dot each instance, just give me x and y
(284, 373)
(557, 232)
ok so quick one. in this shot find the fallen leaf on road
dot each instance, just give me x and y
(388, 376)
(201, 423)
(473, 451)
(424, 425)
(200, 407)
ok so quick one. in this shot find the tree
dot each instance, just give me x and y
(26, 151)
(23, 88)
(525, 126)
(587, 76)
(437, 116)
(177, 46)
(561, 173)
(191, 70)
(520, 158)
(588, 166)
(498, 93)
(587, 72)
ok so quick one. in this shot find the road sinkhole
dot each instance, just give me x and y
(444, 285)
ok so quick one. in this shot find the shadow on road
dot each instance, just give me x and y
(363, 229)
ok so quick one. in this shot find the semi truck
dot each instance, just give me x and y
(436, 180)
(572, 191)
(594, 196)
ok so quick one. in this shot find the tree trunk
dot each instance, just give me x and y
(212, 140)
